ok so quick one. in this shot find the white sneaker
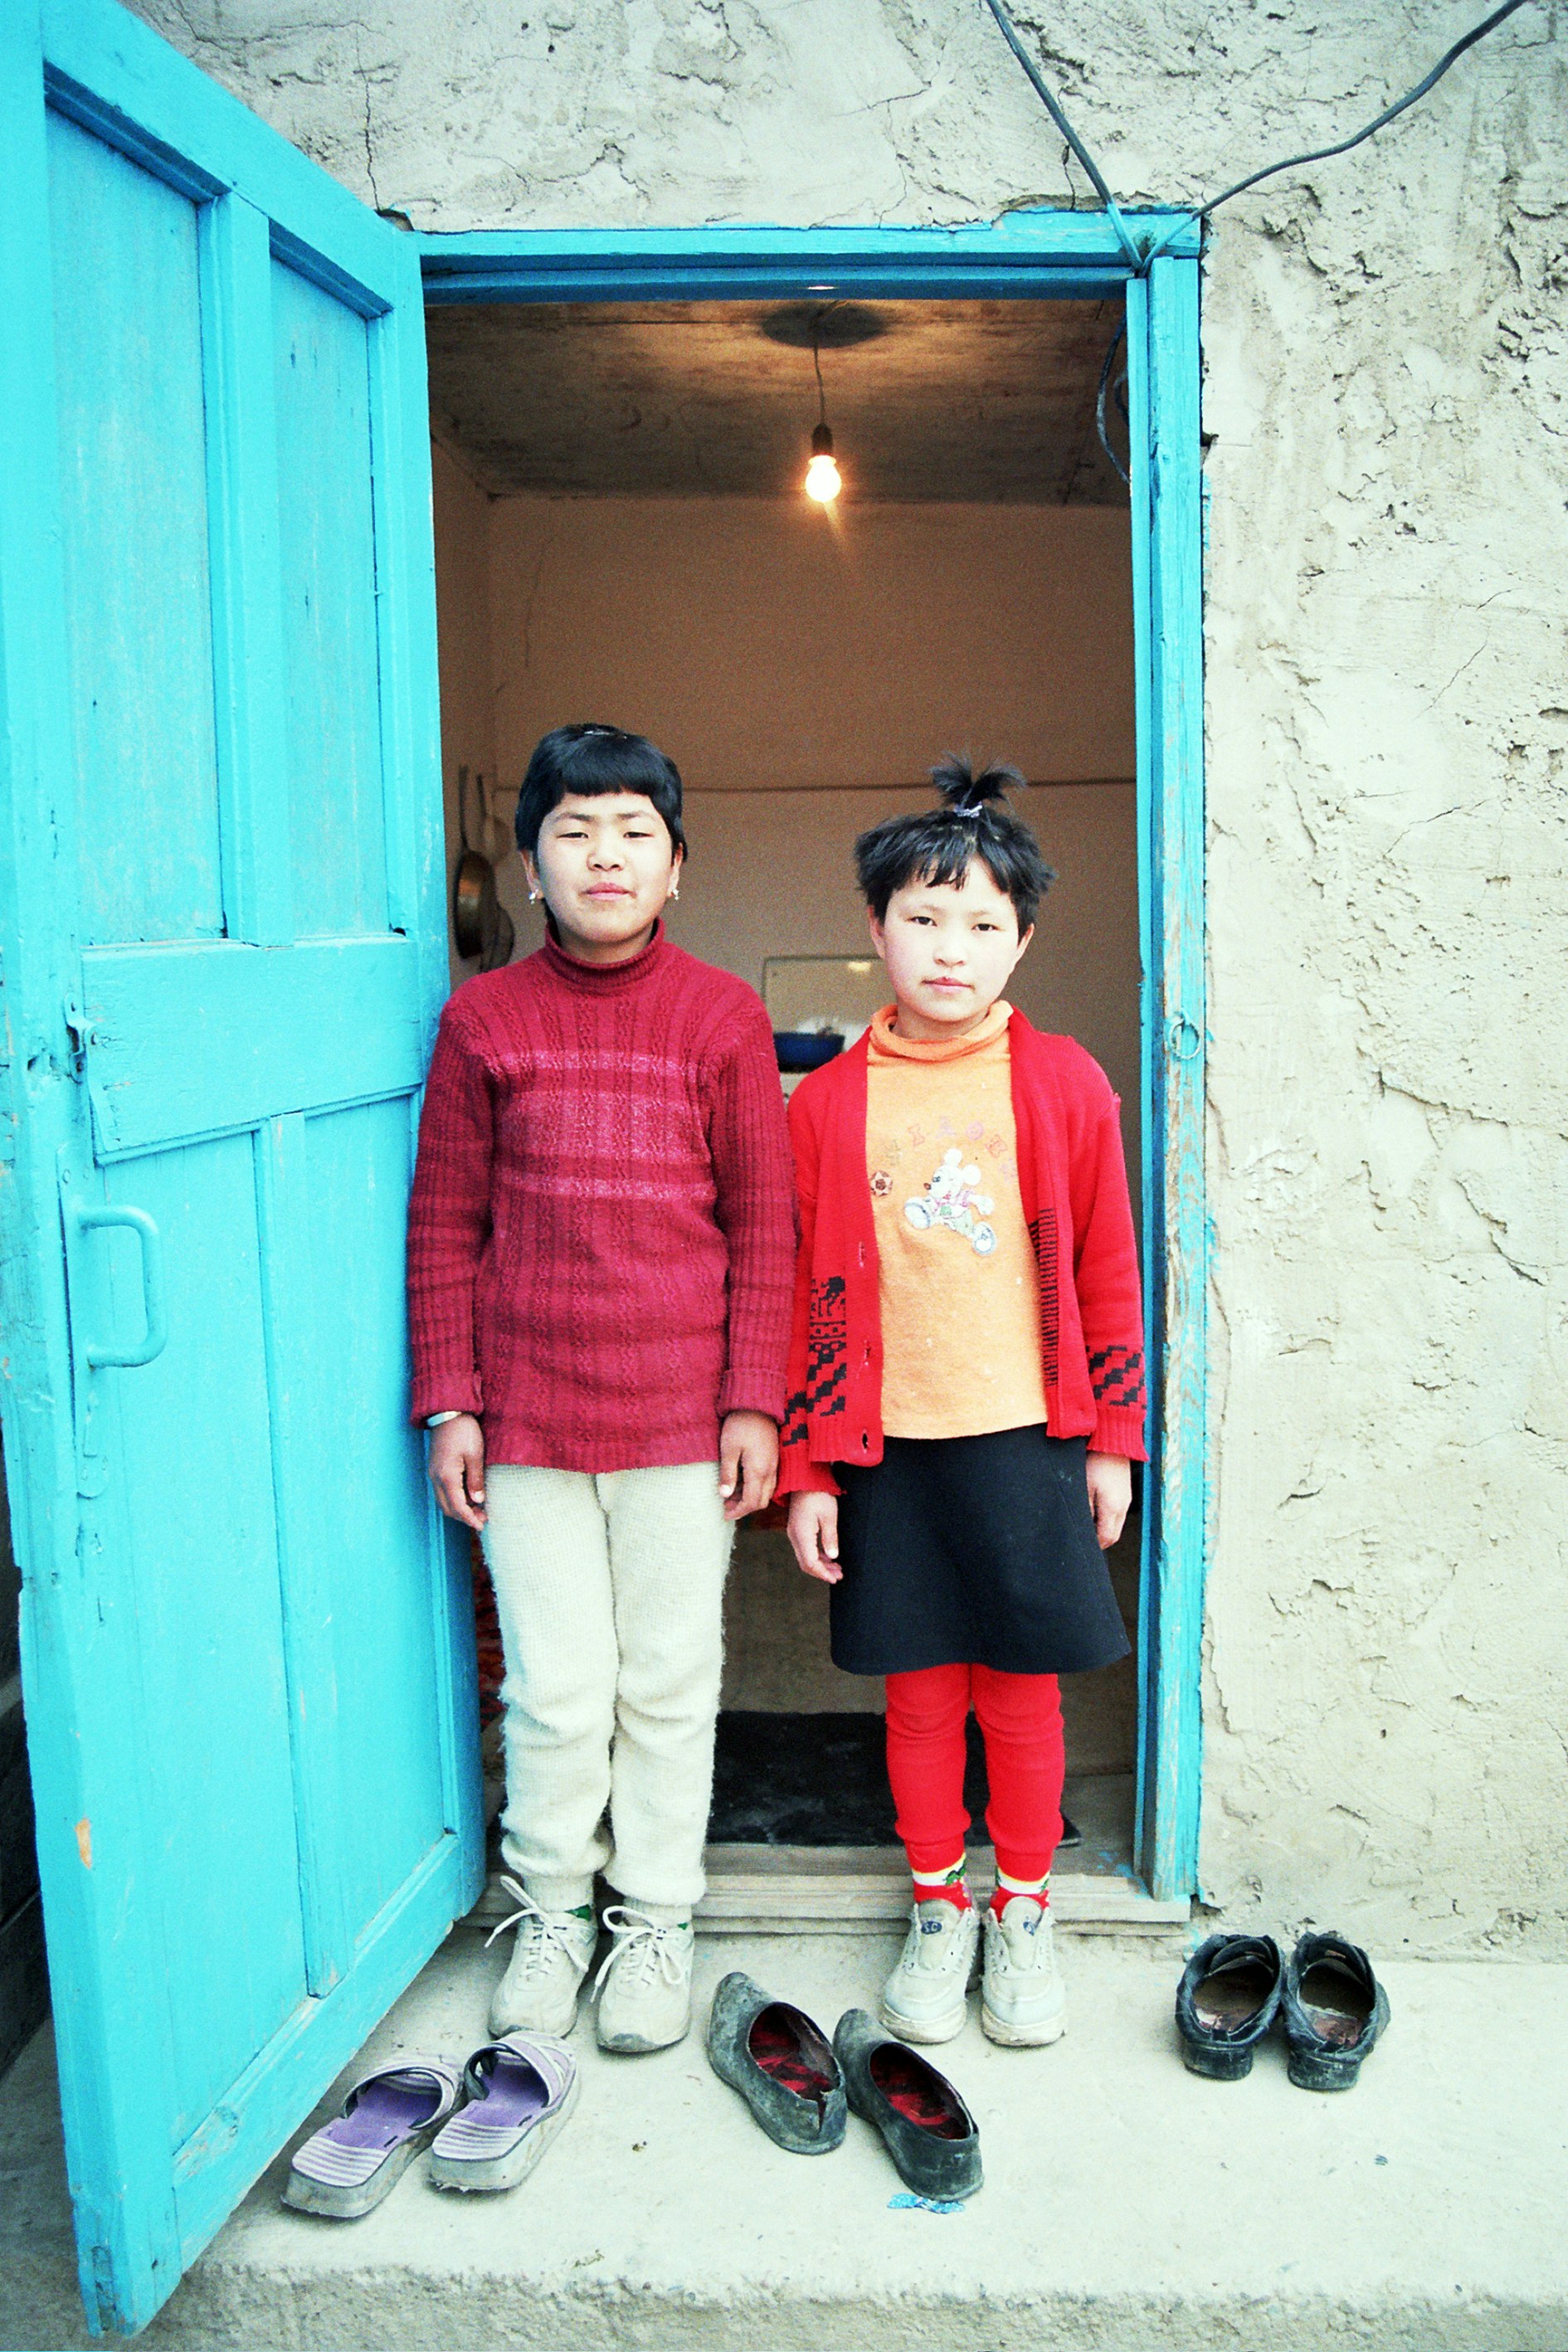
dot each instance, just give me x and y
(924, 1999)
(552, 1954)
(645, 1984)
(1023, 2001)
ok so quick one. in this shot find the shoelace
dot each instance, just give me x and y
(931, 1944)
(1036, 1932)
(641, 1944)
(547, 1931)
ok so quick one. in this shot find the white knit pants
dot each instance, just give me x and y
(609, 1590)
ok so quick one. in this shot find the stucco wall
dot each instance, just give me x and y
(1387, 729)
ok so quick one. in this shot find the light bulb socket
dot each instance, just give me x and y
(822, 441)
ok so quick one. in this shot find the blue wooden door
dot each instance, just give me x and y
(247, 1645)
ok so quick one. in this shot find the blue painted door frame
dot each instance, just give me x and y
(1043, 255)
(248, 1640)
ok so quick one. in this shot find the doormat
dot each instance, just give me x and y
(818, 1779)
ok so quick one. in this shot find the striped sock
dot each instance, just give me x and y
(1038, 1889)
(942, 1885)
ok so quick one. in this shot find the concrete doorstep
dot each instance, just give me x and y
(1129, 2207)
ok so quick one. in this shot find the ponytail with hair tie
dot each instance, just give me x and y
(936, 846)
(965, 792)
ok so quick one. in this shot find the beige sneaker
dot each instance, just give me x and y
(1023, 2000)
(645, 1984)
(925, 1999)
(552, 1954)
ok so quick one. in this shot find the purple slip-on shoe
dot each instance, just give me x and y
(348, 2167)
(521, 2091)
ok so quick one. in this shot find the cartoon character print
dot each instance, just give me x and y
(953, 1199)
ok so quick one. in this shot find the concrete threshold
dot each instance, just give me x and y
(758, 1890)
(767, 1890)
(1129, 2207)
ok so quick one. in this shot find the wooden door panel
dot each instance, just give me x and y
(192, 1502)
(128, 361)
(188, 1044)
(322, 397)
(385, 1632)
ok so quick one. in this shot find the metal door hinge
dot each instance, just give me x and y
(83, 1032)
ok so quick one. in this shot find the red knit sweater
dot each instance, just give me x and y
(601, 1231)
(1074, 1182)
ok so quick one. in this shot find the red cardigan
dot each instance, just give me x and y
(1074, 1182)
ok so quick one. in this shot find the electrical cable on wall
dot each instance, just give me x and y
(1100, 398)
(1141, 258)
(1053, 108)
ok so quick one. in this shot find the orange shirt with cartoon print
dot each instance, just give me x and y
(959, 1281)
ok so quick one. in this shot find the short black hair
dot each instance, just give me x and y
(936, 846)
(594, 761)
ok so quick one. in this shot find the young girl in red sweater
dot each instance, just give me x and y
(966, 1386)
(600, 1240)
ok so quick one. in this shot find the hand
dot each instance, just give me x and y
(457, 1469)
(1109, 1495)
(748, 1462)
(813, 1536)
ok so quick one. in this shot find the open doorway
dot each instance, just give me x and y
(622, 534)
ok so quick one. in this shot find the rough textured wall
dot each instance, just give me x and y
(1388, 727)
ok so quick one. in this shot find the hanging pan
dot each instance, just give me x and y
(477, 917)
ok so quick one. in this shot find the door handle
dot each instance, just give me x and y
(99, 1353)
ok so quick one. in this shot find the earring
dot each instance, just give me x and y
(675, 889)
(533, 898)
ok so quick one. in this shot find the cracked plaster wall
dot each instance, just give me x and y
(1387, 712)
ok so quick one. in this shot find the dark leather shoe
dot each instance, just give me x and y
(1334, 2010)
(1226, 2001)
(780, 2063)
(931, 2136)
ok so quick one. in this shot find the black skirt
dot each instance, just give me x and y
(972, 1551)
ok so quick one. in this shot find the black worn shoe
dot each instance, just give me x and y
(780, 2063)
(931, 2136)
(1226, 2001)
(1334, 2010)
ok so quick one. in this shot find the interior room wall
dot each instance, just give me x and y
(771, 644)
(804, 672)
(463, 625)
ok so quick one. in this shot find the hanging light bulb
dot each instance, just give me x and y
(822, 480)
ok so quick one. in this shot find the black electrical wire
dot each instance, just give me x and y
(1044, 92)
(1140, 260)
(1342, 146)
(1106, 365)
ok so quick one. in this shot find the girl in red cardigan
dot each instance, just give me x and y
(966, 1386)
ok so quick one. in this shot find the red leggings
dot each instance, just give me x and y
(1021, 1718)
